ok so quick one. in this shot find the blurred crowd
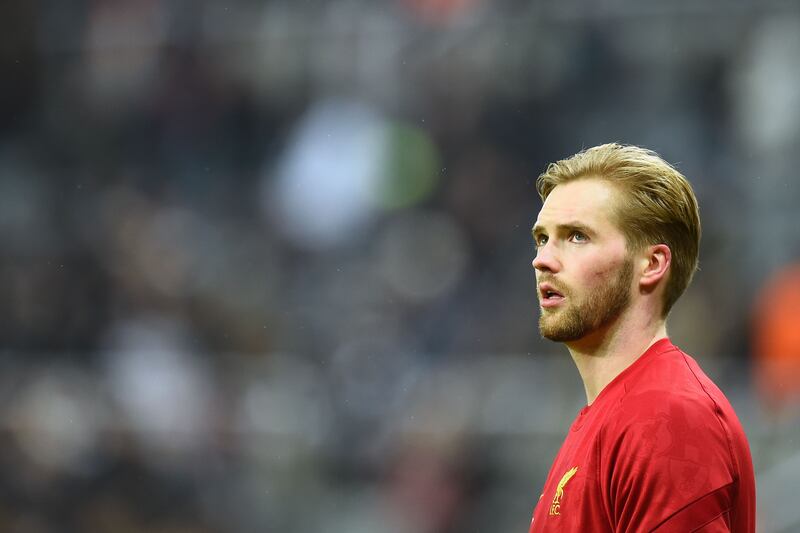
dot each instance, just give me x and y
(266, 265)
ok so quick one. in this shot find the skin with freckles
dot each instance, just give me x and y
(597, 296)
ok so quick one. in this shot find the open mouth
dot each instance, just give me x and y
(549, 296)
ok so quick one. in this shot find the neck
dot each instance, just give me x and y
(604, 354)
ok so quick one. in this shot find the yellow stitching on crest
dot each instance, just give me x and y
(555, 507)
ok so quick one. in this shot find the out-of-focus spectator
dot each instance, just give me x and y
(777, 339)
(243, 245)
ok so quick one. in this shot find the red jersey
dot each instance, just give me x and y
(660, 449)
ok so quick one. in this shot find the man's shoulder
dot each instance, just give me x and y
(679, 413)
(671, 379)
(671, 391)
(673, 442)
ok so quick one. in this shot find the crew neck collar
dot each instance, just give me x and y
(660, 346)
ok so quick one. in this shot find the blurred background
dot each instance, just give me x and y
(265, 266)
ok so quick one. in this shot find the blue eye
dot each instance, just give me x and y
(540, 240)
(577, 236)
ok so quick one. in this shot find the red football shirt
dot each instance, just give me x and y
(660, 449)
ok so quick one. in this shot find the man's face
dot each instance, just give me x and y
(583, 271)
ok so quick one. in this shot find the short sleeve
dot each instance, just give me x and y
(709, 514)
(665, 466)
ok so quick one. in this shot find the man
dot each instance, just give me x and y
(657, 447)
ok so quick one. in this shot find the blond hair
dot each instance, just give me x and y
(657, 205)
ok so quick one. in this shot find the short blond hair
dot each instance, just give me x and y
(657, 206)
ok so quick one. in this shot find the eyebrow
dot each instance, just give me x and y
(570, 226)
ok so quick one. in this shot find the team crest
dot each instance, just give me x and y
(555, 507)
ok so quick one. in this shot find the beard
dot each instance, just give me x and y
(596, 310)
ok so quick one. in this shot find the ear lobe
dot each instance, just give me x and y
(656, 267)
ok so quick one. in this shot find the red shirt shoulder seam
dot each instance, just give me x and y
(670, 517)
(717, 410)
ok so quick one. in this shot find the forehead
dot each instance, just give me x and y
(590, 201)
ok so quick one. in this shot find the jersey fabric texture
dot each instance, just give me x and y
(660, 449)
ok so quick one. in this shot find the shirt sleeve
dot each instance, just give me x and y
(666, 466)
(709, 514)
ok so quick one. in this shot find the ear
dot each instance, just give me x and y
(655, 263)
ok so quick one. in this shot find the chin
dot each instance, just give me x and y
(561, 336)
(561, 331)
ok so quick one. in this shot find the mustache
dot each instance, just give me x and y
(556, 284)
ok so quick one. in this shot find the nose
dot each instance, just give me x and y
(546, 260)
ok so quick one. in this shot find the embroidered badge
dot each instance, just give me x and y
(555, 507)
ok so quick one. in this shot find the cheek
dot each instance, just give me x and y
(604, 272)
(595, 270)
(600, 274)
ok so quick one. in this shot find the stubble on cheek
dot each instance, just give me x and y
(596, 307)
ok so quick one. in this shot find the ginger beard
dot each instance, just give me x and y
(579, 318)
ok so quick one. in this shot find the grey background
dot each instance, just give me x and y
(265, 266)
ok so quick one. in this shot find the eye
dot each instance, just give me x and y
(540, 239)
(577, 236)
